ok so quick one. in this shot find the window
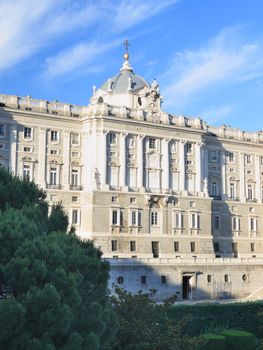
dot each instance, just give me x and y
(154, 218)
(155, 249)
(236, 223)
(132, 200)
(252, 224)
(114, 199)
(213, 156)
(226, 278)
(189, 148)
(231, 156)
(74, 138)
(176, 246)
(192, 246)
(74, 177)
(27, 149)
(113, 138)
(143, 279)
(248, 158)
(120, 280)
(53, 176)
(133, 246)
(216, 247)
(75, 217)
(209, 278)
(54, 136)
(54, 152)
(163, 279)
(75, 199)
(27, 133)
(75, 154)
(26, 171)
(195, 221)
(249, 191)
(2, 130)
(252, 247)
(131, 142)
(214, 189)
(152, 143)
(114, 245)
(114, 220)
(251, 209)
(178, 220)
(232, 190)
(216, 222)
(135, 217)
(235, 249)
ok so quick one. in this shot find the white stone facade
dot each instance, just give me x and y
(141, 183)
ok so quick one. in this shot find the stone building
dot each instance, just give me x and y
(173, 203)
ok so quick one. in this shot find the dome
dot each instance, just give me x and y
(125, 81)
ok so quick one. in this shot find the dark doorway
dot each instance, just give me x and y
(155, 249)
(187, 289)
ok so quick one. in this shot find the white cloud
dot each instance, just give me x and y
(75, 57)
(224, 60)
(217, 114)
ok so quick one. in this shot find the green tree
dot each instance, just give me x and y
(53, 286)
(146, 325)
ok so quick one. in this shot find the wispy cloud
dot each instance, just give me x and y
(75, 57)
(216, 114)
(226, 59)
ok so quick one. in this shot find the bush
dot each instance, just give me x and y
(214, 342)
(239, 340)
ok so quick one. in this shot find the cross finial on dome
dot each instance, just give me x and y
(126, 44)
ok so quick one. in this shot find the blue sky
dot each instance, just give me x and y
(207, 55)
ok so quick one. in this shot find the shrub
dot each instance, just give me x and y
(239, 340)
(214, 341)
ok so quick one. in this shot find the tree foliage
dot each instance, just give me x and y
(146, 325)
(58, 283)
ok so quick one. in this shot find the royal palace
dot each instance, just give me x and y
(173, 203)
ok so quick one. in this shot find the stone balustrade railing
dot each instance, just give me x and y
(101, 109)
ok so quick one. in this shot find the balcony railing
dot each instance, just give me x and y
(54, 187)
(75, 187)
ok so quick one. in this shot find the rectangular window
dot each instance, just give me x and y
(74, 177)
(143, 279)
(209, 278)
(226, 278)
(154, 218)
(195, 221)
(249, 192)
(163, 279)
(214, 189)
(252, 247)
(53, 176)
(134, 218)
(132, 200)
(114, 220)
(114, 245)
(112, 138)
(192, 246)
(2, 130)
(152, 143)
(74, 138)
(54, 136)
(216, 222)
(189, 148)
(155, 249)
(253, 224)
(27, 133)
(176, 246)
(133, 246)
(54, 152)
(216, 247)
(231, 156)
(235, 249)
(27, 149)
(114, 199)
(248, 158)
(236, 223)
(232, 190)
(26, 171)
(75, 216)
(213, 156)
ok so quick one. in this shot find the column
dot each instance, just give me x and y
(257, 177)
(242, 177)
(140, 170)
(65, 171)
(223, 176)
(165, 165)
(13, 149)
(182, 165)
(198, 166)
(100, 174)
(42, 139)
(123, 159)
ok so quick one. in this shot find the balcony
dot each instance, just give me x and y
(251, 200)
(54, 187)
(75, 187)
